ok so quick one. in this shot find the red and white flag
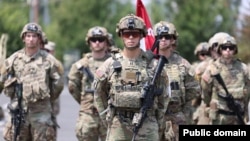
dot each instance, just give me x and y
(148, 41)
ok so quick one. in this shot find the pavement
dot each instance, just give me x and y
(66, 118)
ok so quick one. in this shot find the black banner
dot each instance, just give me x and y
(198, 132)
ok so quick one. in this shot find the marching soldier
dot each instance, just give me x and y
(89, 126)
(32, 79)
(119, 85)
(183, 86)
(236, 78)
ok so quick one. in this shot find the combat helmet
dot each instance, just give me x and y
(213, 41)
(96, 31)
(201, 48)
(227, 41)
(31, 27)
(131, 21)
(164, 27)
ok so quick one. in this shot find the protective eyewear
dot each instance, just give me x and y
(133, 34)
(202, 54)
(228, 47)
(32, 28)
(97, 39)
(167, 37)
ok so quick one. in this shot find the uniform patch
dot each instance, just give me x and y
(99, 74)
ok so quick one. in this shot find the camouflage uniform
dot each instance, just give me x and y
(42, 82)
(202, 53)
(237, 80)
(201, 114)
(120, 79)
(89, 126)
(183, 86)
(50, 48)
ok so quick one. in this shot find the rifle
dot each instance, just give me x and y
(230, 100)
(149, 93)
(17, 114)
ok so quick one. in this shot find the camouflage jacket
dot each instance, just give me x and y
(41, 76)
(237, 80)
(109, 84)
(183, 85)
(79, 84)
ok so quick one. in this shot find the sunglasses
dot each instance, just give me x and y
(133, 34)
(228, 47)
(97, 39)
(202, 54)
(167, 37)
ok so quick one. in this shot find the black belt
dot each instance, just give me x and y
(125, 114)
(229, 113)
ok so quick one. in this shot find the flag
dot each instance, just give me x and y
(148, 41)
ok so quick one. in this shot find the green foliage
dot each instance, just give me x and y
(196, 21)
(71, 21)
(13, 17)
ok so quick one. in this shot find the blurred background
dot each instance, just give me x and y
(66, 22)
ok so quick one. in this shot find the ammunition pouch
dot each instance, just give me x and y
(127, 100)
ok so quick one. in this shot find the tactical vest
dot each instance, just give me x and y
(176, 75)
(33, 73)
(92, 64)
(127, 82)
(234, 79)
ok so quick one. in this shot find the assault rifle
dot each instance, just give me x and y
(149, 93)
(235, 107)
(17, 114)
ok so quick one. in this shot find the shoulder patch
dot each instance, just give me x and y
(100, 74)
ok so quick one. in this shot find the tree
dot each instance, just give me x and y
(71, 20)
(12, 22)
(196, 21)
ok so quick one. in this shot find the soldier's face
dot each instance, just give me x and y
(227, 52)
(31, 40)
(131, 38)
(165, 42)
(98, 44)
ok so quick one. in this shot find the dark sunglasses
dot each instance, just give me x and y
(167, 37)
(133, 34)
(32, 28)
(228, 47)
(202, 54)
(97, 39)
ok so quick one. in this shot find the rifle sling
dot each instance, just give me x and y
(229, 113)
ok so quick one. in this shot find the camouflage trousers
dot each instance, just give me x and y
(171, 129)
(89, 127)
(119, 130)
(37, 127)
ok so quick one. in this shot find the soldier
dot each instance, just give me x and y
(236, 78)
(183, 86)
(201, 52)
(49, 46)
(119, 82)
(201, 114)
(81, 75)
(32, 79)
